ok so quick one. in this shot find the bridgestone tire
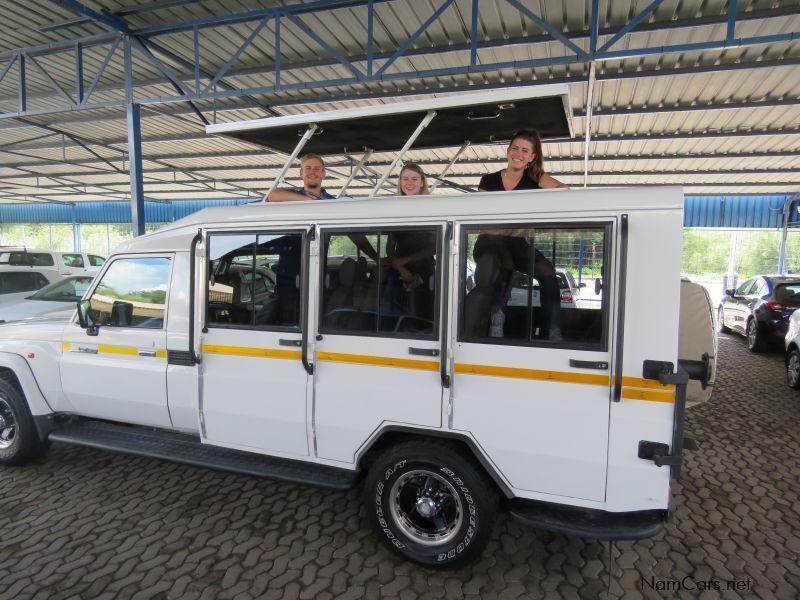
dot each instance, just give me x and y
(19, 440)
(429, 504)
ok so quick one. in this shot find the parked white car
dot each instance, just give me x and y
(66, 263)
(18, 282)
(792, 358)
(56, 300)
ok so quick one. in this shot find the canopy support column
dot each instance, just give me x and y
(303, 140)
(420, 128)
(787, 216)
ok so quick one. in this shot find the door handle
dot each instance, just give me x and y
(147, 353)
(298, 343)
(600, 365)
(423, 351)
(87, 350)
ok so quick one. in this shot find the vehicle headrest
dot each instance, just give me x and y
(361, 269)
(347, 272)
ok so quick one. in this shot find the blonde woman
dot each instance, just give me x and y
(410, 255)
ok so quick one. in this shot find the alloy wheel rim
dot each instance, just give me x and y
(8, 425)
(426, 507)
(751, 334)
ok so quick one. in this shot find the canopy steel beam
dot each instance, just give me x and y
(471, 61)
(768, 154)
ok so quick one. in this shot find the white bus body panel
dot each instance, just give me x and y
(551, 440)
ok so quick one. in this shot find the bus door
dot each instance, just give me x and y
(532, 363)
(254, 385)
(377, 348)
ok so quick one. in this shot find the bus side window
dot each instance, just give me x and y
(533, 285)
(380, 282)
(254, 280)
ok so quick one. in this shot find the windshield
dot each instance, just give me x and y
(69, 290)
(788, 293)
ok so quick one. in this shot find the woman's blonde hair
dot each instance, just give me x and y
(418, 170)
(536, 167)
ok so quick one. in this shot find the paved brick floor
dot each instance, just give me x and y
(89, 524)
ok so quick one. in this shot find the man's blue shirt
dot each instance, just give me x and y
(324, 196)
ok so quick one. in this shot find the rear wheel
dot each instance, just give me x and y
(19, 440)
(721, 321)
(755, 339)
(793, 369)
(429, 504)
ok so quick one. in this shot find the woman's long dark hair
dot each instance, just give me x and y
(536, 167)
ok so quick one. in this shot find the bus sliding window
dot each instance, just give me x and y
(380, 282)
(254, 280)
(529, 285)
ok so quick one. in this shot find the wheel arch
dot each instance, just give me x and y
(16, 372)
(392, 435)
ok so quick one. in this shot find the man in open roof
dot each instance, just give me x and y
(312, 172)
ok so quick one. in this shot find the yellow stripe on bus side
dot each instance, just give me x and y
(650, 384)
(65, 346)
(254, 352)
(161, 354)
(106, 349)
(650, 396)
(381, 361)
(560, 376)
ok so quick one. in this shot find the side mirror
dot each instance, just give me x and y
(85, 317)
(581, 285)
(598, 285)
(730, 292)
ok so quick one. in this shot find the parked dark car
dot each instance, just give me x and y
(760, 309)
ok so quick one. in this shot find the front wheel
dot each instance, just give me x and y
(429, 504)
(755, 339)
(793, 369)
(19, 440)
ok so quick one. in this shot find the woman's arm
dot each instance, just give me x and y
(546, 181)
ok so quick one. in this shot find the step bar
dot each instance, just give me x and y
(187, 449)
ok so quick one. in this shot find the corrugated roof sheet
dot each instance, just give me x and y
(640, 103)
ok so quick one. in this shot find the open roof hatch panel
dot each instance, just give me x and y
(482, 118)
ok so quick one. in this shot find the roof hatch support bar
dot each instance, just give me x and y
(449, 166)
(303, 140)
(355, 170)
(420, 128)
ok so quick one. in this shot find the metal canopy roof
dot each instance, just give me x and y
(485, 118)
(701, 93)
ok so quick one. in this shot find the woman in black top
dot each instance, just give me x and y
(525, 168)
(524, 171)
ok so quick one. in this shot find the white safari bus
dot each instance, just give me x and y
(274, 340)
